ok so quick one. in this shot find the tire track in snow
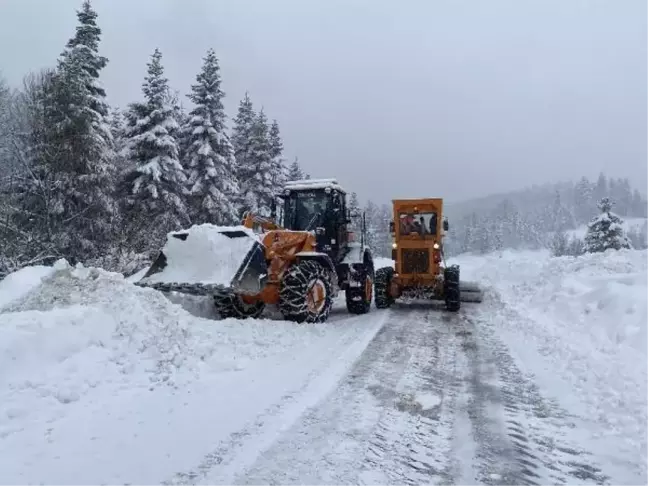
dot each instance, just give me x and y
(518, 433)
(412, 440)
(241, 449)
(389, 421)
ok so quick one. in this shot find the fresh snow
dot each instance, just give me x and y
(105, 382)
(579, 325)
(206, 256)
(19, 283)
(306, 184)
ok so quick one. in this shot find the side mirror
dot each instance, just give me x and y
(391, 227)
(445, 225)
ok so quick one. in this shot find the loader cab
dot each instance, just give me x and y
(319, 206)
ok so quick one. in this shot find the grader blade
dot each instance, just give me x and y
(470, 292)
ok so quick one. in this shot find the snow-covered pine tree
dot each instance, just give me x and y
(242, 142)
(209, 155)
(279, 169)
(77, 113)
(154, 190)
(605, 231)
(255, 169)
(355, 211)
(295, 172)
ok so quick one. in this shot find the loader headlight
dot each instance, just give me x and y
(394, 246)
(436, 246)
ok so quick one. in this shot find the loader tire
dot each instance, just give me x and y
(382, 284)
(305, 294)
(232, 306)
(358, 299)
(451, 290)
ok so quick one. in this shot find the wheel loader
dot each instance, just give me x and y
(420, 270)
(299, 258)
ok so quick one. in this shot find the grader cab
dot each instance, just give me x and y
(420, 270)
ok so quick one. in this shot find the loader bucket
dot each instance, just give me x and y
(207, 260)
(470, 292)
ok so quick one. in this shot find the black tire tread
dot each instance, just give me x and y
(451, 290)
(228, 306)
(382, 282)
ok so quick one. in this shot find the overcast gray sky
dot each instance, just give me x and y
(400, 98)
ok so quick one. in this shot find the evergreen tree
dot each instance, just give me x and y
(255, 169)
(354, 211)
(209, 152)
(279, 169)
(295, 172)
(154, 188)
(605, 231)
(76, 115)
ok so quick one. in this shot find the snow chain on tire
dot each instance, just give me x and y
(451, 290)
(299, 281)
(231, 306)
(382, 284)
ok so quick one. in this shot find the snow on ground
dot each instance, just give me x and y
(106, 382)
(579, 325)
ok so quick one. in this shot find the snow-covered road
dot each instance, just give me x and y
(104, 382)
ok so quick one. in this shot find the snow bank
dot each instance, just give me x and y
(579, 324)
(206, 255)
(19, 283)
(106, 382)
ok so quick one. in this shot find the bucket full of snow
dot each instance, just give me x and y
(207, 259)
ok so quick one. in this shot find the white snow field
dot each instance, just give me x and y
(104, 382)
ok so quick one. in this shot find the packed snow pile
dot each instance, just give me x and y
(106, 382)
(579, 324)
(65, 331)
(207, 254)
(598, 295)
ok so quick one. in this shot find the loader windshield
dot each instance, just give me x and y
(424, 224)
(303, 207)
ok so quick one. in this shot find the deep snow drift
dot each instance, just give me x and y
(579, 325)
(104, 381)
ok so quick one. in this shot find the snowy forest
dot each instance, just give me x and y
(82, 180)
(94, 183)
(537, 217)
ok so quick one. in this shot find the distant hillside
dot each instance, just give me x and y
(525, 218)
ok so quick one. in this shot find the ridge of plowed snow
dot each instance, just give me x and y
(580, 325)
(100, 372)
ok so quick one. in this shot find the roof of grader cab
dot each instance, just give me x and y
(419, 204)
